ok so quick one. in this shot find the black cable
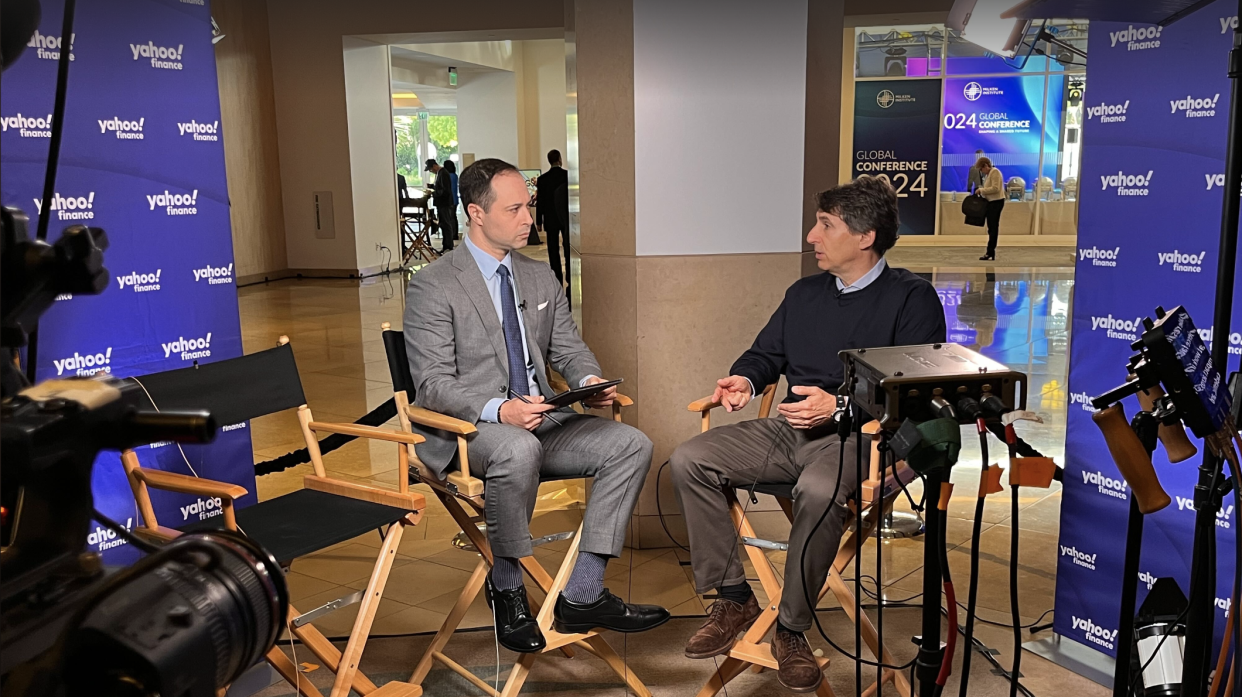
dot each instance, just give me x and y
(972, 593)
(1237, 580)
(660, 510)
(123, 533)
(858, 526)
(1013, 595)
(1004, 625)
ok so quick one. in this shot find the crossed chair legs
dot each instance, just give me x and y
(591, 642)
(752, 651)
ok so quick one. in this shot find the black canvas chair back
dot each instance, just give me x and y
(234, 390)
(398, 363)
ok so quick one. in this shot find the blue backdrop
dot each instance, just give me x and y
(142, 157)
(1149, 222)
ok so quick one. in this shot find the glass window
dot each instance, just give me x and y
(906, 51)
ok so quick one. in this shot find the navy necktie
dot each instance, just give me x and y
(518, 381)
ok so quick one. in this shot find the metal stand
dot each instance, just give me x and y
(1145, 426)
(900, 524)
(931, 650)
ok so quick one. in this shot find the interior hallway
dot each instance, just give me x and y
(1017, 315)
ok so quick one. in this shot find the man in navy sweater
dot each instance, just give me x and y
(858, 302)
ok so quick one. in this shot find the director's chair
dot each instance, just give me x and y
(463, 495)
(878, 497)
(325, 512)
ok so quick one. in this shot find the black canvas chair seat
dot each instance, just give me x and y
(306, 521)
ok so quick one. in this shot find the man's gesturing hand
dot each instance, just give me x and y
(813, 411)
(604, 399)
(515, 412)
(732, 392)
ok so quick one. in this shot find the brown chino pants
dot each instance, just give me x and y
(768, 451)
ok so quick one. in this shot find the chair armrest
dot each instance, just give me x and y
(703, 405)
(431, 419)
(624, 401)
(185, 484)
(367, 432)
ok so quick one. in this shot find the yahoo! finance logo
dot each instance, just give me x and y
(1108, 113)
(32, 127)
(140, 282)
(1082, 399)
(1148, 578)
(1134, 39)
(200, 131)
(214, 275)
(1235, 340)
(1223, 516)
(188, 349)
(124, 130)
(104, 538)
(1127, 184)
(1087, 561)
(1228, 23)
(204, 508)
(71, 208)
(1194, 108)
(161, 57)
(1186, 263)
(1094, 633)
(1118, 328)
(80, 365)
(1100, 257)
(1115, 488)
(175, 204)
(48, 47)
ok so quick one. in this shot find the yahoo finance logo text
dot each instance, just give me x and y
(35, 127)
(1135, 39)
(1118, 328)
(140, 282)
(1108, 113)
(214, 275)
(1127, 184)
(1193, 108)
(1115, 488)
(161, 57)
(1094, 633)
(124, 130)
(1087, 561)
(80, 365)
(188, 349)
(175, 204)
(1100, 257)
(48, 47)
(70, 208)
(1186, 263)
(1082, 399)
(200, 131)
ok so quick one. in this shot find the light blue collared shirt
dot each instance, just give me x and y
(489, 266)
(864, 281)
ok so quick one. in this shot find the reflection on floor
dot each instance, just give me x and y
(1016, 316)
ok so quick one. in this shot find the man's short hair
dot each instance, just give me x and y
(474, 184)
(865, 204)
(554, 157)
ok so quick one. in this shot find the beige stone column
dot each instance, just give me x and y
(683, 259)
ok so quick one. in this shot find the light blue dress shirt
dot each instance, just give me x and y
(488, 265)
(864, 281)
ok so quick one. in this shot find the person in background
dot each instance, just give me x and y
(451, 221)
(973, 178)
(548, 218)
(442, 199)
(993, 189)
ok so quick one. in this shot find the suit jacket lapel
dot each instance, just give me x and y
(530, 318)
(471, 279)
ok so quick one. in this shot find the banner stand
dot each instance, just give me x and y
(1074, 657)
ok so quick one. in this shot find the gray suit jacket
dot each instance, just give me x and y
(457, 346)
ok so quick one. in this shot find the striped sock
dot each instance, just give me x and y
(586, 583)
(506, 574)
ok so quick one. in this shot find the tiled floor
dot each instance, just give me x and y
(1017, 315)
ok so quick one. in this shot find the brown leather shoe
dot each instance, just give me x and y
(725, 621)
(797, 670)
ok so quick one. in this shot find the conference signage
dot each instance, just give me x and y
(1149, 222)
(141, 157)
(1005, 118)
(896, 125)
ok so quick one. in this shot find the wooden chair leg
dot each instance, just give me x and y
(609, 656)
(729, 668)
(464, 601)
(281, 664)
(517, 677)
(325, 651)
(352, 654)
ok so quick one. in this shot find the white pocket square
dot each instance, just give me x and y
(542, 305)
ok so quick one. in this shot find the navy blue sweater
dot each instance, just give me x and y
(815, 321)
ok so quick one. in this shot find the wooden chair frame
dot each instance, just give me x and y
(462, 494)
(343, 663)
(752, 650)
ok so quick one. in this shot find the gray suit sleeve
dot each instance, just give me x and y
(433, 353)
(568, 354)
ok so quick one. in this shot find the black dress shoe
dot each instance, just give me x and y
(988, 257)
(606, 613)
(516, 628)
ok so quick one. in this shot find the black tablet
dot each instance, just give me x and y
(578, 394)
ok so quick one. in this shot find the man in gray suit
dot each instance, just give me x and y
(482, 325)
